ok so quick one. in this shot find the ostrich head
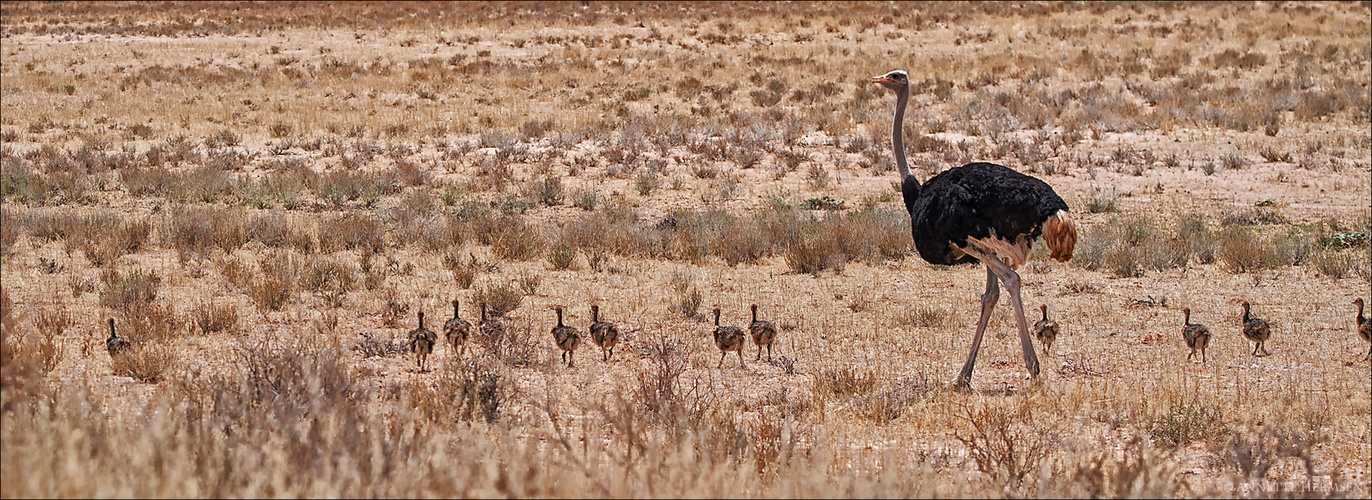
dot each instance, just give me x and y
(894, 80)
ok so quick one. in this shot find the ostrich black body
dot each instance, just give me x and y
(972, 201)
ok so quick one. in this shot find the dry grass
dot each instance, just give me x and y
(263, 201)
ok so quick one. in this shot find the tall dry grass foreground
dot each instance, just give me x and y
(264, 196)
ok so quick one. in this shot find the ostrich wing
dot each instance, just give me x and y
(973, 201)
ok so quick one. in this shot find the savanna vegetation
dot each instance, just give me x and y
(264, 195)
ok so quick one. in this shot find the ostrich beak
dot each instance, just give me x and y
(882, 79)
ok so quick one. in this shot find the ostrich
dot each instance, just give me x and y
(567, 337)
(1046, 330)
(492, 329)
(115, 343)
(763, 334)
(1256, 330)
(728, 338)
(981, 212)
(456, 331)
(422, 342)
(1197, 336)
(1364, 327)
(604, 333)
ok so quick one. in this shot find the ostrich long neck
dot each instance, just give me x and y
(897, 138)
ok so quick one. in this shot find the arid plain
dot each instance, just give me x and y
(263, 196)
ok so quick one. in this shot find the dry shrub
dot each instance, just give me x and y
(869, 234)
(1188, 420)
(1128, 246)
(1194, 232)
(1103, 201)
(277, 229)
(270, 293)
(144, 361)
(278, 282)
(926, 316)
(658, 389)
(50, 324)
(1008, 444)
(813, 255)
(1100, 473)
(128, 291)
(194, 229)
(213, 316)
(844, 381)
(546, 191)
(292, 379)
(688, 299)
(1254, 453)
(329, 277)
(235, 271)
(890, 401)
(341, 187)
(517, 346)
(20, 370)
(394, 310)
(9, 230)
(464, 273)
(473, 388)
(1340, 264)
(370, 346)
(517, 240)
(500, 298)
(1241, 250)
(150, 322)
(740, 241)
(105, 236)
(1290, 248)
(561, 256)
(352, 231)
(1252, 216)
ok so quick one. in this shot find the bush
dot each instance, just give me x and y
(106, 236)
(1103, 201)
(1186, 421)
(129, 292)
(194, 230)
(352, 232)
(1008, 444)
(330, 278)
(270, 293)
(517, 240)
(925, 316)
(562, 256)
(144, 362)
(1128, 246)
(153, 322)
(500, 298)
(213, 317)
(546, 191)
(1339, 264)
(1242, 251)
(1194, 232)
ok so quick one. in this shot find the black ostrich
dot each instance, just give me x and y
(981, 212)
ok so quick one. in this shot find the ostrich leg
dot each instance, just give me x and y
(988, 302)
(1012, 283)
